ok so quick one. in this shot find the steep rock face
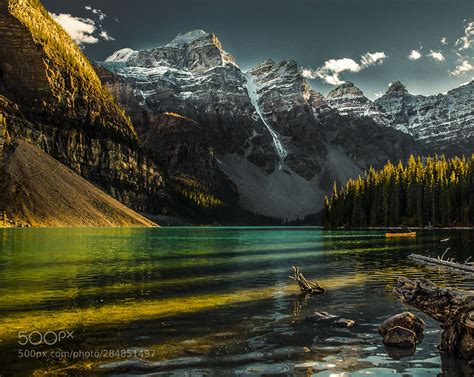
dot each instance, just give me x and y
(443, 122)
(263, 139)
(123, 172)
(287, 105)
(52, 97)
(310, 128)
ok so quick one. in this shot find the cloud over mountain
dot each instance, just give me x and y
(80, 29)
(84, 30)
(331, 70)
(464, 42)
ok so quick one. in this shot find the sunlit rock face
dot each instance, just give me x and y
(51, 96)
(444, 123)
(263, 138)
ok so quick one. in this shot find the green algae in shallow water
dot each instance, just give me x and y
(147, 309)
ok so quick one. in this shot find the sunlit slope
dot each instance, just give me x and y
(49, 76)
(37, 190)
(52, 98)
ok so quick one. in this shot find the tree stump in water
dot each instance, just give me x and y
(306, 286)
(454, 309)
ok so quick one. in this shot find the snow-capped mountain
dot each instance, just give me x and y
(263, 138)
(443, 122)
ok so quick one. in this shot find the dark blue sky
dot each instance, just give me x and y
(308, 31)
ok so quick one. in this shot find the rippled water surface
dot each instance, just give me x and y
(213, 301)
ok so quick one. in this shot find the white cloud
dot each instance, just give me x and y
(331, 70)
(444, 41)
(81, 30)
(436, 55)
(462, 68)
(414, 55)
(101, 15)
(371, 58)
(465, 42)
(105, 36)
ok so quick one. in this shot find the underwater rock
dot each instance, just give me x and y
(400, 337)
(406, 320)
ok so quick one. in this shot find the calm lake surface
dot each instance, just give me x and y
(212, 301)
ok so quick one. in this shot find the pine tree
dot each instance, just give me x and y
(438, 192)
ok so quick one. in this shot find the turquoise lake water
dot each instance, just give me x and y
(212, 301)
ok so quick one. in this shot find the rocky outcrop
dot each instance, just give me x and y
(263, 139)
(52, 97)
(444, 123)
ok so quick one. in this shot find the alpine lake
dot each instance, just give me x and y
(213, 301)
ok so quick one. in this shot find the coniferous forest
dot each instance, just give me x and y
(432, 192)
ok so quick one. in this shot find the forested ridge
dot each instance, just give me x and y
(436, 191)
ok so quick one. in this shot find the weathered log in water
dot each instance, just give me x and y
(442, 262)
(454, 309)
(306, 286)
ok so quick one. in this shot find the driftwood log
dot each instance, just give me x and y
(306, 286)
(463, 267)
(454, 309)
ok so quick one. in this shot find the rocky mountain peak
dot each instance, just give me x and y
(442, 122)
(348, 89)
(348, 99)
(396, 88)
(186, 38)
(195, 51)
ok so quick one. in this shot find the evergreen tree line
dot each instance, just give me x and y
(436, 192)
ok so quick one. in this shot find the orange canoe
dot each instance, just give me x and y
(395, 235)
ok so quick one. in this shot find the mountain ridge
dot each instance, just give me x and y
(275, 138)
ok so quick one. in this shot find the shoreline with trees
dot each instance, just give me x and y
(434, 193)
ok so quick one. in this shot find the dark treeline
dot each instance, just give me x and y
(438, 192)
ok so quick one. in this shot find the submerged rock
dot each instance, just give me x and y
(343, 322)
(406, 320)
(400, 337)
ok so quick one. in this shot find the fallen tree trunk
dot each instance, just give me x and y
(454, 309)
(442, 262)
